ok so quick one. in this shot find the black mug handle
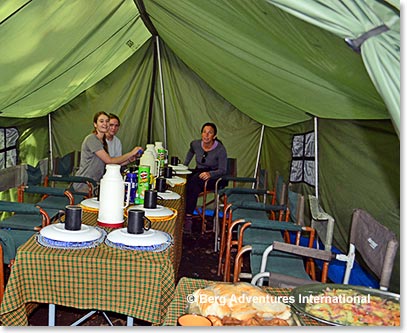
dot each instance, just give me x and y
(149, 224)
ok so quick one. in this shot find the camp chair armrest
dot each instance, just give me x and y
(55, 191)
(72, 179)
(19, 207)
(257, 206)
(303, 251)
(274, 225)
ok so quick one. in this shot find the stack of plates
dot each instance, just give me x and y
(169, 195)
(151, 240)
(160, 211)
(175, 180)
(91, 204)
(57, 237)
(179, 167)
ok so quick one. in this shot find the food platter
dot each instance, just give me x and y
(240, 304)
(346, 305)
(151, 240)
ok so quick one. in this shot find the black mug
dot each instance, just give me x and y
(150, 199)
(167, 172)
(161, 184)
(135, 221)
(175, 160)
(73, 217)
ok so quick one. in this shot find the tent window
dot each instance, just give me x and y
(303, 159)
(8, 147)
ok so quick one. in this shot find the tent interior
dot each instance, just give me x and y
(263, 71)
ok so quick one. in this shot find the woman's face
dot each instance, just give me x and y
(102, 124)
(208, 134)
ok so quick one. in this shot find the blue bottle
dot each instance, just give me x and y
(131, 177)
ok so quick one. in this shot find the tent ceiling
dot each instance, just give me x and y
(54, 50)
(274, 67)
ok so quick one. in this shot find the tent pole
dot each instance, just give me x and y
(51, 154)
(258, 154)
(162, 91)
(316, 155)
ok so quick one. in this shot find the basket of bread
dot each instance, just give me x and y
(240, 304)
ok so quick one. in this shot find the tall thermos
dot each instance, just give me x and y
(148, 159)
(111, 198)
(151, 147)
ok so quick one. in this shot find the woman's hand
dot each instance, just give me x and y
(137, 150)
(205, 175)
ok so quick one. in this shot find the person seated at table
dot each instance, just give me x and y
(95, 152)
(113, 142)
(211, 162)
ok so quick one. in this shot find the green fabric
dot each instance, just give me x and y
(350, 19)
(272, 66)
(10, 240)
(49, 64)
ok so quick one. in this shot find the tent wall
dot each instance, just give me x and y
(357, 162)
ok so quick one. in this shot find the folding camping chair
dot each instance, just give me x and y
(208, 197)
(375, 243)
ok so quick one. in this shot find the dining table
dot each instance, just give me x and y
(138, 284)
(186, 286)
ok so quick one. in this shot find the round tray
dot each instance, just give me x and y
(151, 240)
(71, 245)
(178, 167)
(57, 232)
(175, 180)
(160, 211)
(183, 172)
(169, 195)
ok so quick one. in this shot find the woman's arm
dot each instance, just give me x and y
(122, 160)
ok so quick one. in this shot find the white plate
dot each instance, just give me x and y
(183, 172)
(91, 203)
(151, 240)
(175, 180)
(58, 232)
(178, 167)
(169, 195)
(160, 211)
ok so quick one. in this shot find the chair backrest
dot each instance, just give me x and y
(375, 243)
(231, 168)
(64, 166)
(322, 222)
(296, 204)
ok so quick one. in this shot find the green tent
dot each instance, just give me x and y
(263, 71)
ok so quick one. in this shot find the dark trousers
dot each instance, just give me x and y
(195, 185)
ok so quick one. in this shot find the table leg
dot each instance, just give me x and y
(51, 315)
(130, 321)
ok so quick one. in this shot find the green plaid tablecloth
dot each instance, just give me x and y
(179, 206)
(134, 283)
(187, 286)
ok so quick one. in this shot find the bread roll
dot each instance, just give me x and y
(240, 302)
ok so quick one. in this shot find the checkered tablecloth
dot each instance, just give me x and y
(179, 206)
(187, 286)
(134, 283)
